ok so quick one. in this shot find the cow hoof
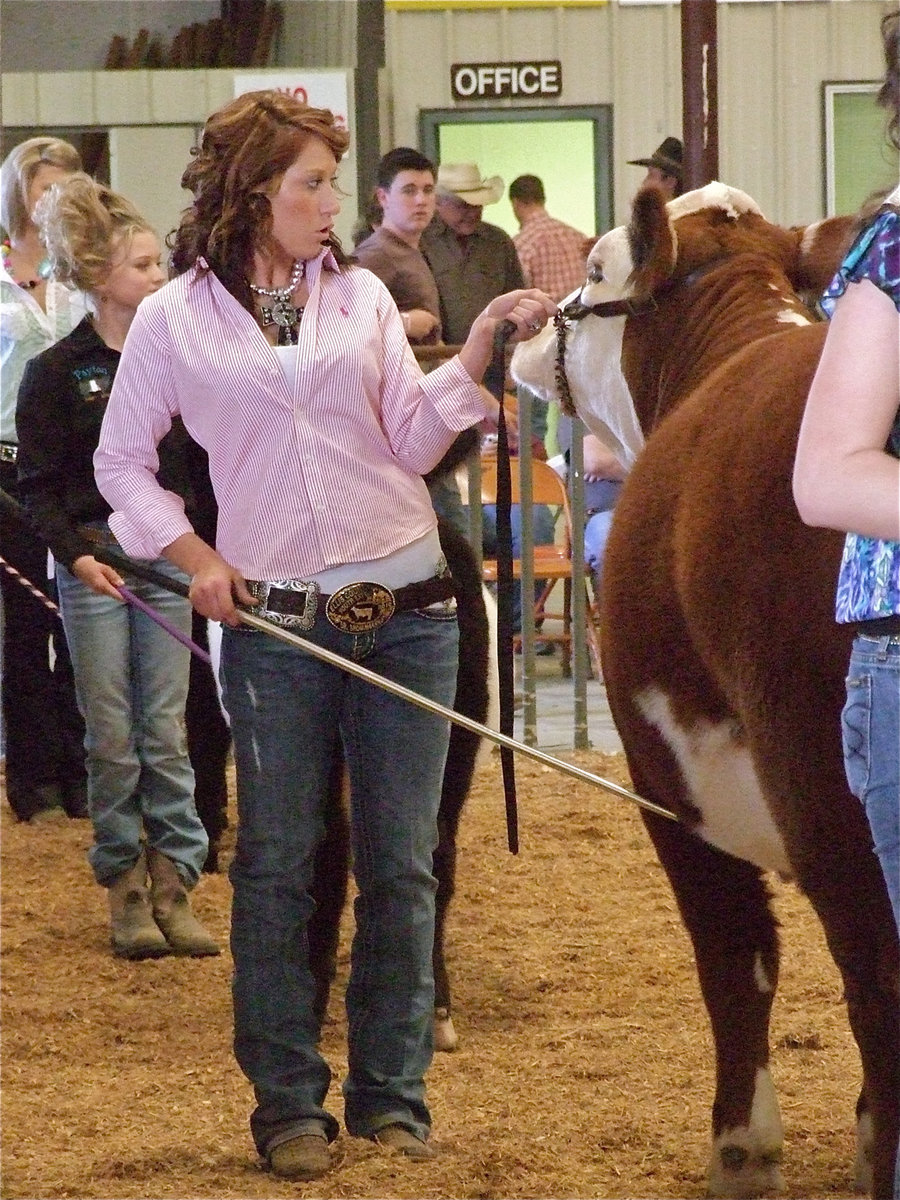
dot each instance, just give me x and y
(862, 1167)
(737, 1173)
(445, 1038)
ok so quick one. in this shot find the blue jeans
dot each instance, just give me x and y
(871, 729)
(289, 712)
(543, 534)
(596, 535)
(131, 680)
(600, 496)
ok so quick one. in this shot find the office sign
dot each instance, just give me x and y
(493, 81)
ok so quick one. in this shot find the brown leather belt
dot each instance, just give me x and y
(355, 608)
(880, 626)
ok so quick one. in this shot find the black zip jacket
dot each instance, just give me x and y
(60, 407)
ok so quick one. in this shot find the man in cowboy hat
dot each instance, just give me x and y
(664, 167)
(472, 262)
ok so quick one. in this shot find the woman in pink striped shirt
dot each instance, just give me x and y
(290, 366)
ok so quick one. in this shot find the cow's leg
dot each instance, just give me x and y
(445, 1037)
(457, 781)
(725, 907)
(209, 743)
(329, 889)
(472, 701)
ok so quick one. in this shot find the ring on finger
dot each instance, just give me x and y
(534, 326)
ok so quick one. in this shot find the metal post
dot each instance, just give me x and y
(369, 60)
(526, 582)
(700, 92)
(578, 613)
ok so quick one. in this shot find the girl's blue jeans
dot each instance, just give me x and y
(289, 712)
(131, 680)
(871, 729)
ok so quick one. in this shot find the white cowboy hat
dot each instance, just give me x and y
(464, 180)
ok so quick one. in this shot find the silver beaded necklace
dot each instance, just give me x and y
(282, 312)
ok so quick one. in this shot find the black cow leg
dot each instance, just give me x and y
(329, 889)
(209, 742)
(471, 701)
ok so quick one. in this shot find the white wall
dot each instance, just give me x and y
(141, 161)
(151, 116)
(773, 59)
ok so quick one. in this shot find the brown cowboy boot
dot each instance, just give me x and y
(134, 932)
(172, 910)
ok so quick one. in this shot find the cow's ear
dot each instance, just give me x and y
(820, 249)
(651, 241)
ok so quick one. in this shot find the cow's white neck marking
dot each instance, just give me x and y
(715, 195)
(594, 354)
(790, 316)
(809, 238)
(721, 781)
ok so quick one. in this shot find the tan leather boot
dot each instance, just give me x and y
(134, 932)
(172, 910)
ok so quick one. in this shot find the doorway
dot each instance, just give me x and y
(569, 148)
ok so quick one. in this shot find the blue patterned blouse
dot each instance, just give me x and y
(869, 578)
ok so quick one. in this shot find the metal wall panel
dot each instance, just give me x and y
(317, 33)
(773, 58)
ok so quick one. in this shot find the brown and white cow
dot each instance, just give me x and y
(723, 664)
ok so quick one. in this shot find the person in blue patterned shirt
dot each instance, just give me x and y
(847, 476)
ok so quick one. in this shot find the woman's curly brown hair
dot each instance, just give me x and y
(246, 145)
(889, 94)
(889, 99)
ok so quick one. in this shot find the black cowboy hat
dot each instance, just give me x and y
(667, 156)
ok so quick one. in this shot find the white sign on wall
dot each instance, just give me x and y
(321, 89)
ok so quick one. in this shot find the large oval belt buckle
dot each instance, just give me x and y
(360, 607)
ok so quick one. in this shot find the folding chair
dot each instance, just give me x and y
(551, 563)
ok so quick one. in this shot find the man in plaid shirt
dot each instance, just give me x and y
(552, 253)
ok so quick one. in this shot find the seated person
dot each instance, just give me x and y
(603, 478)
(543, 528)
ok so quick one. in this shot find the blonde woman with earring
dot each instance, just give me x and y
(43, 730)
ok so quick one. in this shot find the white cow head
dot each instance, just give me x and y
(628, 263)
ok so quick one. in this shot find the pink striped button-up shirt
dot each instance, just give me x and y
(310, 472)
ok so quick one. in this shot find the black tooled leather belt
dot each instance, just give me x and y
(880, 627)
(355, 608)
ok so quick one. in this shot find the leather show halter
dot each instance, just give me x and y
(629, 306)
